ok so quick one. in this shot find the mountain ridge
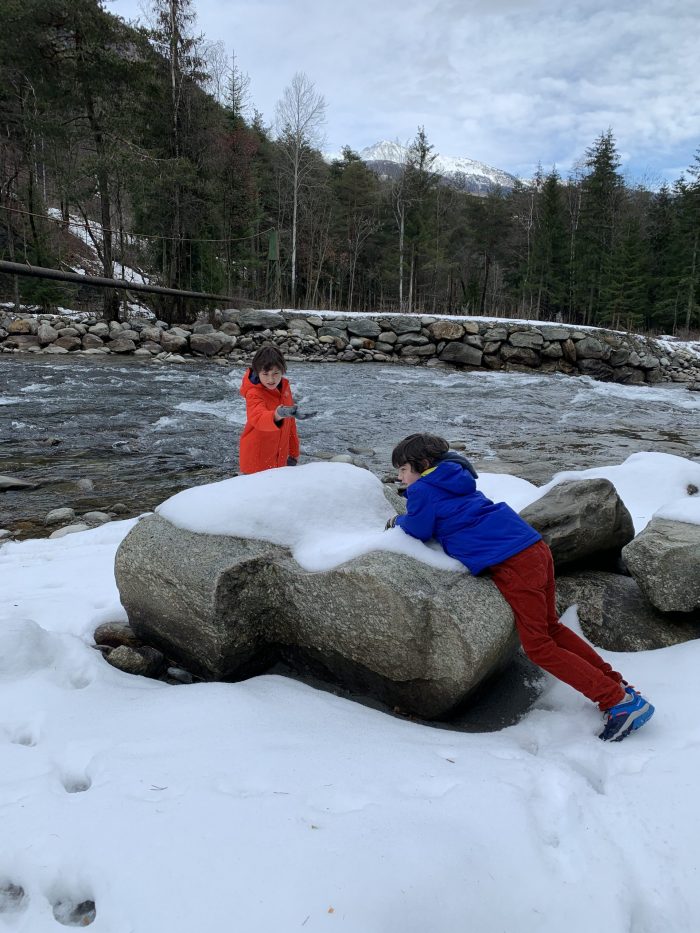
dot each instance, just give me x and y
(386, 159)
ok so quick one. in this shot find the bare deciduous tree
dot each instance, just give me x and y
(300, 116)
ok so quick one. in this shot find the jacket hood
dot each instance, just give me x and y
(452, 457)
(452, 476)
(251, 380)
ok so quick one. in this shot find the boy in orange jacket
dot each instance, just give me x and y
(269, 438)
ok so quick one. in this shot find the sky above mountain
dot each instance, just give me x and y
(507, 82)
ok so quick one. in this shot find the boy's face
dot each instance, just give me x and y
(407, 475)
(271, 378)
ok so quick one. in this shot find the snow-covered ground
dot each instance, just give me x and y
(267, 806)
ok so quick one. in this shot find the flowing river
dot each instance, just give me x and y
(95, 432)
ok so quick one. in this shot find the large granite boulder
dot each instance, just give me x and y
(385, 625)
(461, 353)
(664, 559)
(616, 616)
(580, 520)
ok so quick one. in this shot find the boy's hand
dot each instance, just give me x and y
(391, 523)
(285, 411)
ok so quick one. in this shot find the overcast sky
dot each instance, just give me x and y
(507, 82)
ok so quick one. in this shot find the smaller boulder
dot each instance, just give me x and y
(664, 559)
(580, 519)
(615, 615)
(59, 516)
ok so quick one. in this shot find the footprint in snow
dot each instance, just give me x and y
(70, 914)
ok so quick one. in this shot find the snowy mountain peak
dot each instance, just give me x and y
(458, 171)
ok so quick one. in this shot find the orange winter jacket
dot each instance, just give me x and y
(265, 444)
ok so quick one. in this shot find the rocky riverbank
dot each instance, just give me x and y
(468, 343)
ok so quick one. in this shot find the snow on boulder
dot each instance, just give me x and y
(294, 563)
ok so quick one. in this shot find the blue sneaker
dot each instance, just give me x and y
(626, 716)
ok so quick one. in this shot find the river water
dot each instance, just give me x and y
(94, 432)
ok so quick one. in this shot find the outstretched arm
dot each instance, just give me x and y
(419, 520)
(260, 417)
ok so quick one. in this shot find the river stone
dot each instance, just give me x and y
(552, 352)
(524, 356)
(412, 340)
(46, 334)
(261, 320)
(121, 345)
(664, 559)
(302, 327)
(581, 518)
(363, 327)
(70, 530)
(383, 624)
(21, 326)
(532, 339)
(446, 330)
(12, 482)
(96, 518)
(68, 343)
(628, 376)
(596, 369)
(619, 356)
(91, 341)
(115, 634)
(329, 331)
(590, 348)
(173, 343)
(99, 330)
(404, 324)
(144, 661)
(22, 342)
(497, 334)
(57, 516)
(206, 344)
(555, 333)
(615, 615)
(461, 353)
(151, 333)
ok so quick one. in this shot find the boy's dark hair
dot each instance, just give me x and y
(268, 357)
(417, 449)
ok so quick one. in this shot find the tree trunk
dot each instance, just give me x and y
(295, 207)
(691, 289)
(401, 233)
(487, 265)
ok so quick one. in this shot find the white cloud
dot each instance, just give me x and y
(506, 82)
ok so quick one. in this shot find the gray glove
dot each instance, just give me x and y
(391, 523)
(292, 411)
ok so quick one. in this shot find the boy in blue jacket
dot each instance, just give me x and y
(444, 503)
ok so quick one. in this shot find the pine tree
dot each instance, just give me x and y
(549, 250)
(601, 196)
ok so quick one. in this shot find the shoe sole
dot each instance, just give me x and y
(635, 721)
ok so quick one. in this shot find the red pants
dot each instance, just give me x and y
(526, 581)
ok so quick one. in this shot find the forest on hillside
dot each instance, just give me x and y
(150, 138)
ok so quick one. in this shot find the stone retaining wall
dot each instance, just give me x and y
(470, 343)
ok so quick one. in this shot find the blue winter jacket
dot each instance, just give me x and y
(445, 504)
